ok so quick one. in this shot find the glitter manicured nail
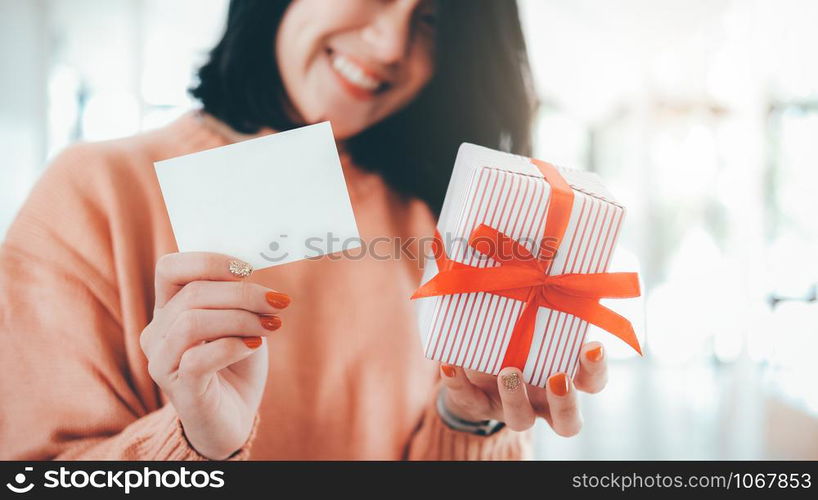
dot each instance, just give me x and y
(239, 269)
(511, 381)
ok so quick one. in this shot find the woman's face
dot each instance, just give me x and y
(355, 62)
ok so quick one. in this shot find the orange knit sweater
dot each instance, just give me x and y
(347, 376)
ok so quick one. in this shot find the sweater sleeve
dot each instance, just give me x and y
(73, 381)
(434, 440)
(155, 436)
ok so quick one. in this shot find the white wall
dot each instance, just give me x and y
(23, 60)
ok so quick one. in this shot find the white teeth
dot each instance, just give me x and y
(353, 73)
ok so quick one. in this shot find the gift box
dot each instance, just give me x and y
(521, 254)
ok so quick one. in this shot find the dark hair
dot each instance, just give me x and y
(481, 92)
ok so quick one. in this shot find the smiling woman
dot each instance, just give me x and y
(194, 355)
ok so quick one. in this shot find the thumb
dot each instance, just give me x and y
(463, 398)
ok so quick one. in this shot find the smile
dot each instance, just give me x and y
(358, 80)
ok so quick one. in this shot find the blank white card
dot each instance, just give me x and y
(268, 201)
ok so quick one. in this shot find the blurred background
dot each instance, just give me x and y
(701, 115)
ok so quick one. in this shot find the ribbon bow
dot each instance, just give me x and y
(523, 277)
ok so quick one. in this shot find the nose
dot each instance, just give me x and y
(389, 33)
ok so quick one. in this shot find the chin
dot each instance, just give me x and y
(349, 116)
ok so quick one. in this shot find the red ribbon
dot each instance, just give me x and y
(522, 277)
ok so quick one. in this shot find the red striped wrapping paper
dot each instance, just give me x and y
(472, 330)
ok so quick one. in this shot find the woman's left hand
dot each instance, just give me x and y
(476, 396)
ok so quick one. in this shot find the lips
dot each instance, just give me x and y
(357, 79)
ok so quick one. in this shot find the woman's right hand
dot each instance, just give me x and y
(205, 346)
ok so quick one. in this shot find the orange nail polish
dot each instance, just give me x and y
(252, 342)
(278, 300)
(270, 322)
(559, 384)
(594, 354)
(448, 370)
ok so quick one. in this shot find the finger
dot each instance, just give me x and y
(202, 294)
(195, 326)
(538, 396)
(199, 363)
(562, 401)
(517, 411)
(175, 270)
(480, 379)
(228, 295)
(463, 398)
(593, 368)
